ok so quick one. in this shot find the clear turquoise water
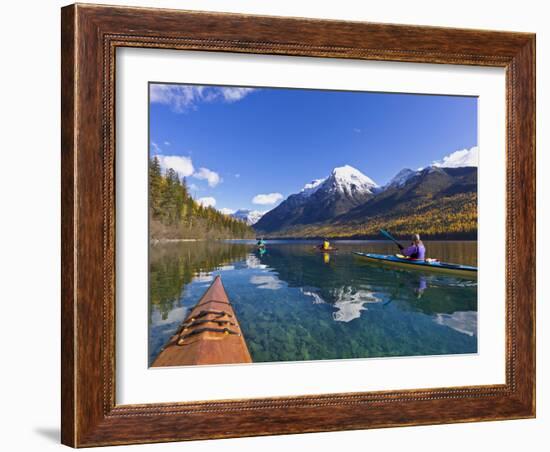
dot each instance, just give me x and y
(295, 303)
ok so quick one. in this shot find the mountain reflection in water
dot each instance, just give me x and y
(295, 305)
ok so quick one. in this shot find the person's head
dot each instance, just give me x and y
(416, 238)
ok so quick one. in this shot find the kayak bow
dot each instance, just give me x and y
(210, 334)
(422, 265)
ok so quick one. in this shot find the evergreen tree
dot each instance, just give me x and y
(155, 186)
(172, 207)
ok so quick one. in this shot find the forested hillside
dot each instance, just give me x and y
(174, 214)
(450, 217)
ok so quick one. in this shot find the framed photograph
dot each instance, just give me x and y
(282, 225)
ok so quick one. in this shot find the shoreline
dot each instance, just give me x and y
(157, 241)
(306, 239)
(444, 237)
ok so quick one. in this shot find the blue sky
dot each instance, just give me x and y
(234, 144)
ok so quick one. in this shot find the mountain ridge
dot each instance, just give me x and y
(250, 217)
(439, 200)
(320, 200)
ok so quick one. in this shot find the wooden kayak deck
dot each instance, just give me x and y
(210, 334)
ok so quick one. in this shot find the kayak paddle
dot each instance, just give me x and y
(390, 237)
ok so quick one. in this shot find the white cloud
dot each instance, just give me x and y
(207, 201)
(182, 165)
(233, 94)
(167, 143)
(194, 187)
(210, 176)
(457, 159)
(178, 97)
(269, 198)
(182, 98)
(227, 211)
(237, 175)
(155, 147)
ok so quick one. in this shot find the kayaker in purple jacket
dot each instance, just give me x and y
(416, 250)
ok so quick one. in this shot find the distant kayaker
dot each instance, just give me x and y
(326, 244)
(260, 243)
(416, 250)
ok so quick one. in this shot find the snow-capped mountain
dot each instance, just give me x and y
(464, 158)
(347, 198)
(312, 187)
(401, 178)
(249, 216)
(345, 188)
(349, 180)
(345, 179)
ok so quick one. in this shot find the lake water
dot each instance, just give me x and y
(295, 303)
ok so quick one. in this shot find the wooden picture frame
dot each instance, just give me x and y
(90, 36)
